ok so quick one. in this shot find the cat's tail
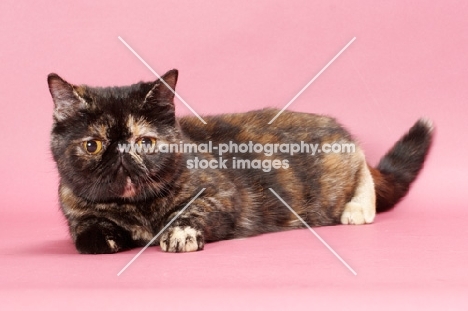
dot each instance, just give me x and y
(400, 166)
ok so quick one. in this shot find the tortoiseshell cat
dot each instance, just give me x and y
(115, 200)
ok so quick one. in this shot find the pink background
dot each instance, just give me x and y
(409, 60)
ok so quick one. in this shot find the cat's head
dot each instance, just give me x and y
(91, 127)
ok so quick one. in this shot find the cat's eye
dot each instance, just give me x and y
(92, 146)
(147, 141)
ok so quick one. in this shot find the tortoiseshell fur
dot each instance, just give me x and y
(115, 201)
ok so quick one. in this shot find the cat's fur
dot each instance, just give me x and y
(115, 201)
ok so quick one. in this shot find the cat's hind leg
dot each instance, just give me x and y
(362, 207)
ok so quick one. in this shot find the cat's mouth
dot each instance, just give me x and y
(129, 189)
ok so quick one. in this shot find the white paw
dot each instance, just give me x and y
(355, 214)
(181, 239)
(112, 245)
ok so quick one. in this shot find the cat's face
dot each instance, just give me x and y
(92, 124)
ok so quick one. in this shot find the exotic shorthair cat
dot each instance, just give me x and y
(116, 198)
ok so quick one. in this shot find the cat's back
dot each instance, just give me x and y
(253, 125)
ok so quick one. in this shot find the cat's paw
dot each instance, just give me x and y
(356, 214)
(182, 239)
(102, 239)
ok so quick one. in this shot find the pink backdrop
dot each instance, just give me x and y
(408, 60)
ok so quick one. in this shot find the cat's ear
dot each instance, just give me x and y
(66, 99)
(159, 101)
(163, 89)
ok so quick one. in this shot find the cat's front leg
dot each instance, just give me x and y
(206, 220)
(187, 232)
(210, 217)
(182, 238)
(97, 235)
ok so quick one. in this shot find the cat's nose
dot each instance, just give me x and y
(122, 162)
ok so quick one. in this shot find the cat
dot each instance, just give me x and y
(115, 199)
